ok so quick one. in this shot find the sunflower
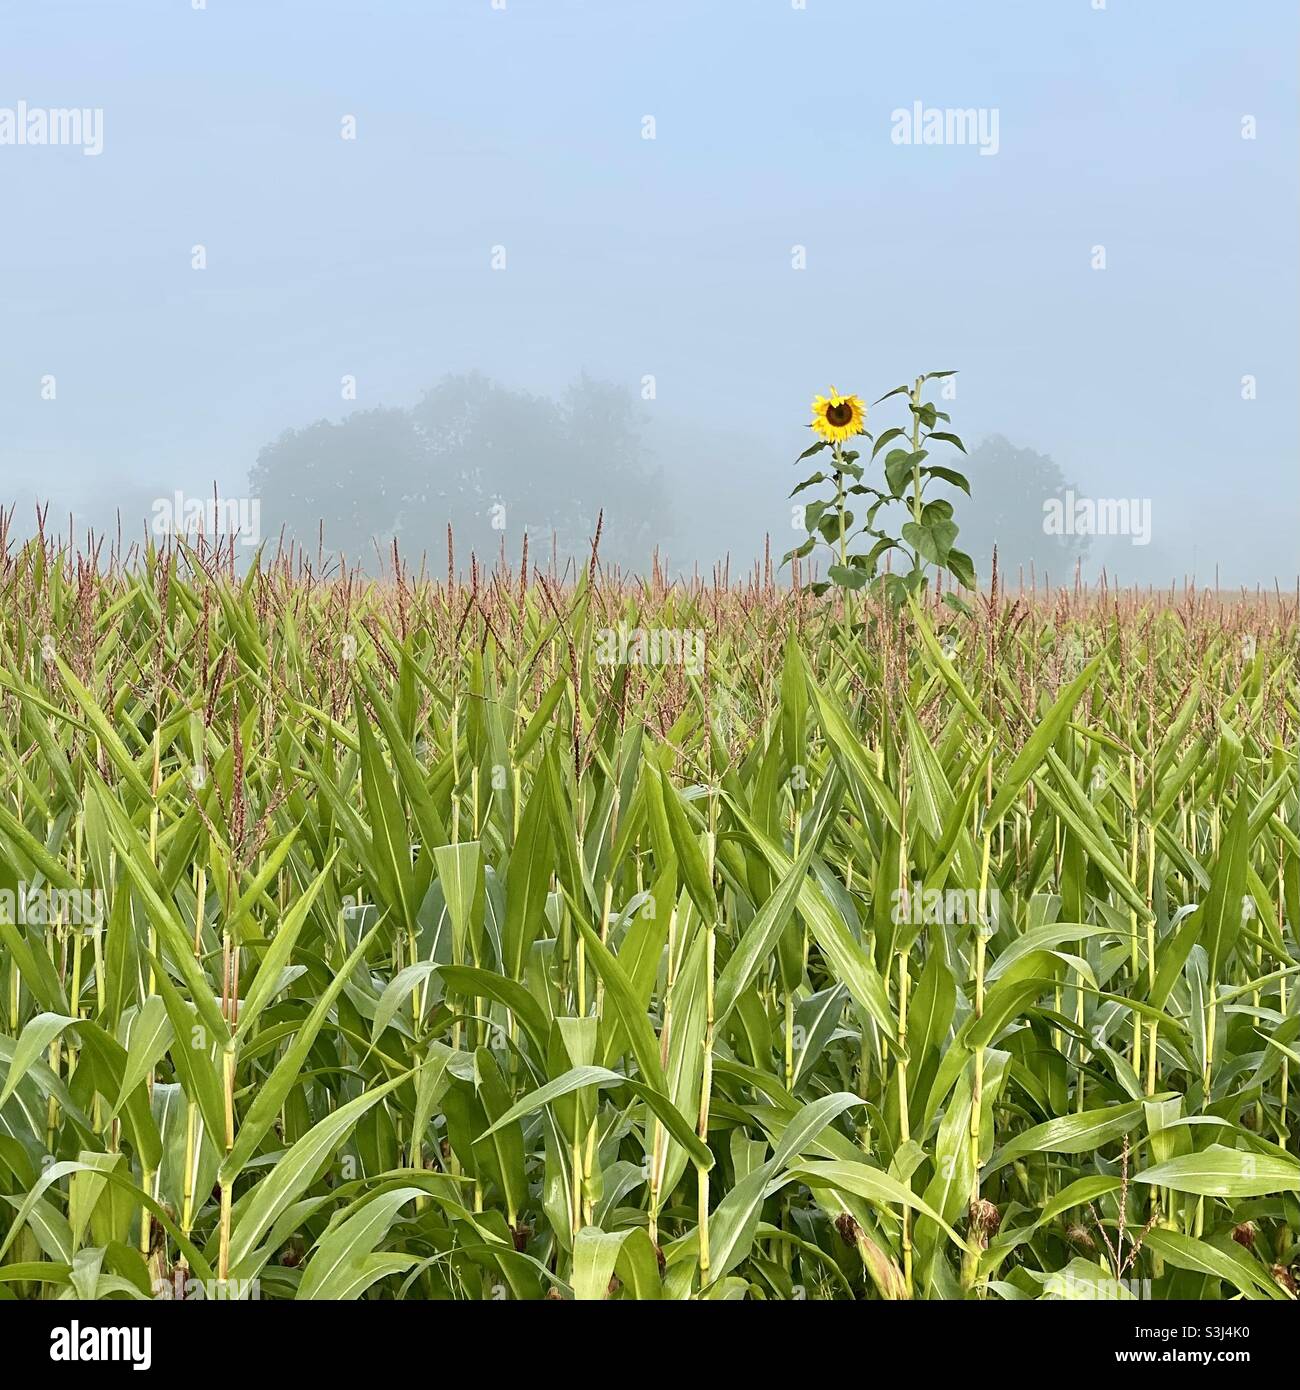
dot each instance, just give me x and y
(837, 418)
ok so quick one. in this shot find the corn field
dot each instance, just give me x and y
(537, 934)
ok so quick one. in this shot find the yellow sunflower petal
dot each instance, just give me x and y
(838, 417)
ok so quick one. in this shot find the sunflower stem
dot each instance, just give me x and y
(846, 594)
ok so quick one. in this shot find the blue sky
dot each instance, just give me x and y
(522, 127)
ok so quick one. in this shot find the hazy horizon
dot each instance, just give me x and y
(501, 211)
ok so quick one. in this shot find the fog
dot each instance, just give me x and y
(511, 265)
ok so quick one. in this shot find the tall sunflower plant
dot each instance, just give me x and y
(858, 547)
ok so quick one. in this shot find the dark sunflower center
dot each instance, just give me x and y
(839, 415)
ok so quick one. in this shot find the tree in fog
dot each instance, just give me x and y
(1008, 489)
(491, 461)
(354, 476)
